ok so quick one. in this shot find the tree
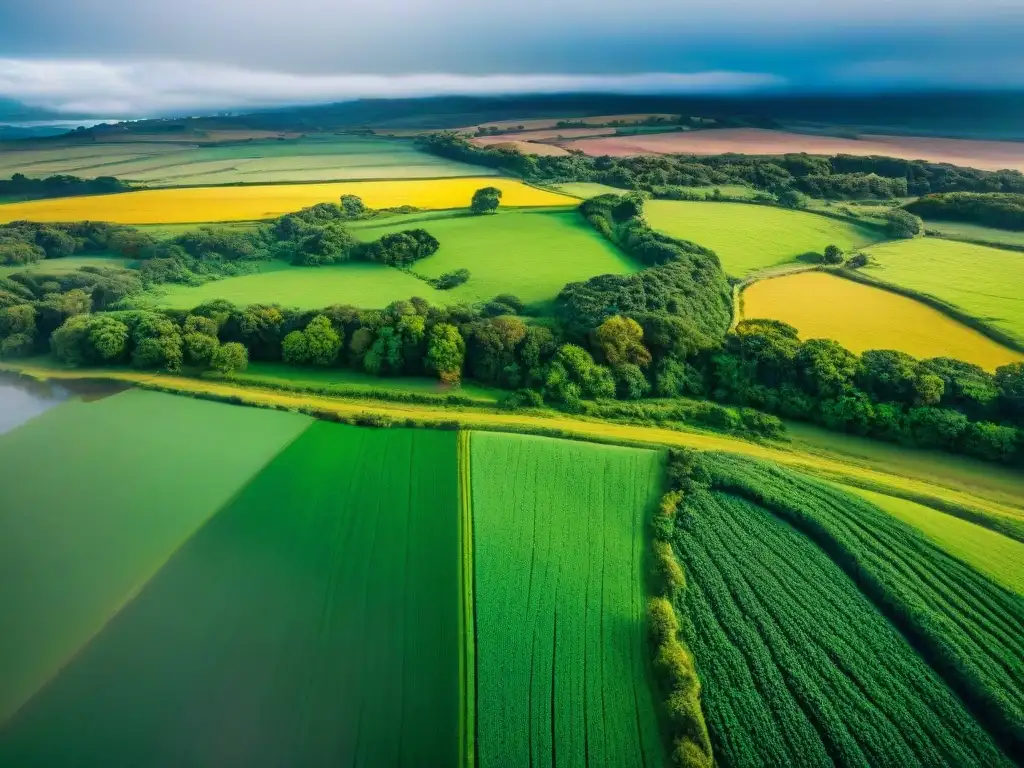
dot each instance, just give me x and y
(17, 345)
(446, 351)
(630, 382)
(902, 224)
(833, 255)
(295, 349)
(322, 342)
(1010, 382)
(230, 358)
(199, 348)
(353, 207)
(107, 337)
(621, 342)
(68, 343)
(486, 200)
(790, 198)
(825, 368)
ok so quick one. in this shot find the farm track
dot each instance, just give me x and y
(976, 502)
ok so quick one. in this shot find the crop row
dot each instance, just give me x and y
(798, 668)
(967, 627)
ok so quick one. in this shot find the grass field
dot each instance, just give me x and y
(796, 664)
(861, 317)
(363, 285)
(313, 621)
(349, 382)
(983, 282)
(559, 534)
(959, 230)
(749, 238)
(66, 264)
(94, 497)
(203, 204)
(995, 555)
(531, 255)
(326, 158)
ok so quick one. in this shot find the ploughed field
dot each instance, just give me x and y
(862, 317)
(166, 164)
(750, 238)
(206, 204)
(284, 591)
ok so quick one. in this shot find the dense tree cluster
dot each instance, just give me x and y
(1000, 210)
(683, 279)
(938, 403)
(839, 177)
(23, 187)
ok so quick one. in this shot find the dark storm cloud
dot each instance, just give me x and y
(150, 56)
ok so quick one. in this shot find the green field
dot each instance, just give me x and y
(320, 158)
(66, 264)
(998, 556)
(94, 498)
(749, 238)
(559, 540)
(982, 282)
(958, 230)
(966, 627)
(313, 621)
(530, 255)
(797, 666)
(348, 382)
(277, 282)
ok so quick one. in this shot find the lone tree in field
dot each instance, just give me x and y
(833, 255)
(486, 200)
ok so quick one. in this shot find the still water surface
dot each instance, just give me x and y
(22, 398)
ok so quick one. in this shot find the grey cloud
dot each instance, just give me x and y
(153, 87)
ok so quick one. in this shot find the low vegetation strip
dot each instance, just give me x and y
(313, 621)
(863, 317)
(561, 654)
(749, 238)
(798, 667)
(205, 204)
(467, 633)
(94, 497)
(929, 486)
(982, 282)
(969, 629)
(999, 557)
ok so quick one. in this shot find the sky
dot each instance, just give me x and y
(137, 58)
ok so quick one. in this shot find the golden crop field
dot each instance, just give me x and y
(202, 204)
(861, 317)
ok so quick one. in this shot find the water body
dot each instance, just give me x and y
(22, 398)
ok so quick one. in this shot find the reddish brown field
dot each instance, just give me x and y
(987, 155)
(526, 147)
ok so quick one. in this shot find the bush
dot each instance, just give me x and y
(833, 255)
(450, 280)
(901, 224)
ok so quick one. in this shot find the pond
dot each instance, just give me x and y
(22, 398)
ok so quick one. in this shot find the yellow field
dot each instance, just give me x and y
(860, 317)
(202, 204)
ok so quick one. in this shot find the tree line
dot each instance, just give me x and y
(661, 333)
(21, 186)
(838, 177)
(999, 210)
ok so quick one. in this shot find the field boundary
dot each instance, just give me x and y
(467, 604)
(382, 414)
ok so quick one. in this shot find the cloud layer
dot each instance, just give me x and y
(136, 57)
(159, 87)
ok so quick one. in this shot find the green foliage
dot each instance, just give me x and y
(486, 200)
(199, 348)
(446, 351)
(16, 345)
(452, 279)
(620, 340)
(833, 255)
(990, 209)
(230, 358)
(901, 224)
